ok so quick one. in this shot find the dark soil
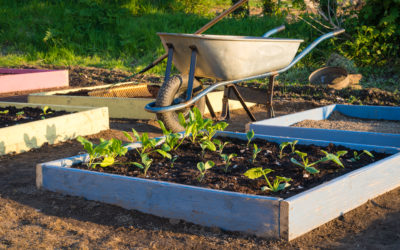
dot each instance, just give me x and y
(18, 116)
(342, 122)
(185, 170)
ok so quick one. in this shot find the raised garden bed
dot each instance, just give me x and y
(286, 215)
(12, 80)
(284, 125)
(119, 107)
(23, 131)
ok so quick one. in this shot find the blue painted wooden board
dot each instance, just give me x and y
(259, 215)
(280, 126)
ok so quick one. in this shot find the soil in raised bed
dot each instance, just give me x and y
(185, 170)
(29, 114)
(342, 122)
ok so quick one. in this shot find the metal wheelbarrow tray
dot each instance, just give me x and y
(229, 60)
(230, 57)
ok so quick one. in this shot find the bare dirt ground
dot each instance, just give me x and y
(31, 218)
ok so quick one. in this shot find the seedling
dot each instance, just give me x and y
(249, 136)
(283, 145)
(305, 164)
(146, 142)
(334, 157)
(357, 156)
(20, 114)
(213, 129)
(172, 141)
(194, 125)
(206, 144)
(45, 110)
(227, 159)
(173, 161)
(4, 112)
(277, 185)
(203, 167)
(107, 149)
(256, 151)
(220, 145)
(146, 163)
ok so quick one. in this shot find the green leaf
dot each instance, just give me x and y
(163, 128)
(293, 160)
(164, 154)
(255, 173)
(209, 164)
(250, 135)
(136, 134)
(312, 170)
(128, 136)
(341, 153)
(209, 145)
(137, 164)
(301, 154)
(201, 166)
(182, 120)
(283, 145)
(166, 147)
(282, 186)
(107, 161)
(265, 188)
(368, 153)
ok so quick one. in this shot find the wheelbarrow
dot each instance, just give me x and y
(227, 59)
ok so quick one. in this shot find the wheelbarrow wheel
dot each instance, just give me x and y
(173, 90)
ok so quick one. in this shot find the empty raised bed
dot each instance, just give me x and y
(378, 116)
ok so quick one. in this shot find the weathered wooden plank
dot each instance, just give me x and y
(131, 108)
(228, 210)
(312, 208)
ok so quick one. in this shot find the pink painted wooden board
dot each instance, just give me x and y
(12, 80)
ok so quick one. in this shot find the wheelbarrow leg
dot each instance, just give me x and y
(225, 107)
(193, 59)
(210, 108)
(169, 62)
(270, 107)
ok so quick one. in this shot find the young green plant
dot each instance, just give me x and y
(279, 182)
(256, 151)
(203, 167)
(4, 112)
(220, 145)
(227, 159)
(283, 145)
(357, 157)
(249, 136)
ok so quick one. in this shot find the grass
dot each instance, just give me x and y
(121, 34)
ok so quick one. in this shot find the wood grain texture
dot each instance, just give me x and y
(131, 108)
(314, 207)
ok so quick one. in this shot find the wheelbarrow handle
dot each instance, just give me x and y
(274, 31)
(312, 46)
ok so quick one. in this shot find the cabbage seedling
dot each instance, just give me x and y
(283, 145)
(249, 136)
(334, 157)
(227, 159)
(206, 144)
(4, 112)
(277, 185)
(146, 163)
(45, 112)
(256, 151)
(305, 164)
(203, 167)
(357, 156)
(220, 145)
(20, 114)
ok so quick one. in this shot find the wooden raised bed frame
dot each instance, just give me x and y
(131, 108)
(280, 126)
(23, 137)
(252, 214)
(12, 80)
